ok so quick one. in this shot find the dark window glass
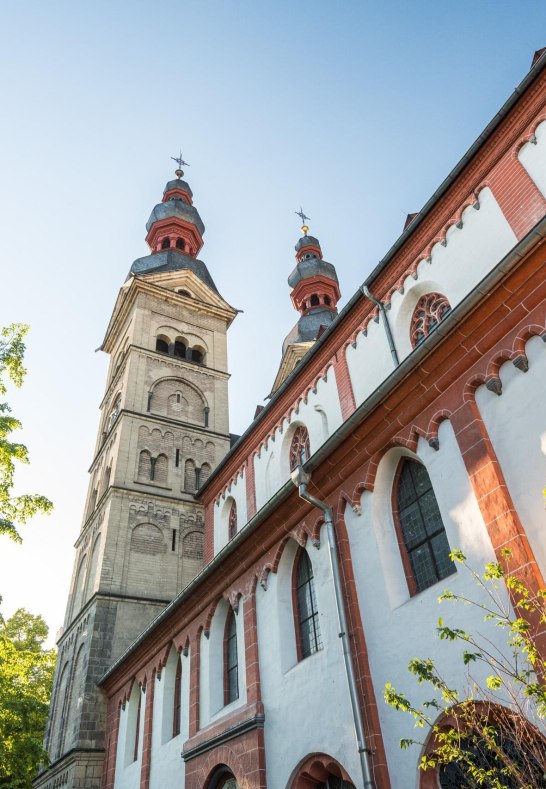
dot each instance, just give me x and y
(327, 300)
(307, 613)
(231, 662)
(177, 699)
(422, 527)
(315, 300)
(166, 243)
(180, 244)
(137, 729)
(180, 350)
(196, 356)
(161, 345)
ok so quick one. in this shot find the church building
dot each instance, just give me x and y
(238, 603)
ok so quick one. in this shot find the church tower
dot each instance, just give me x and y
(315, 294)
(163, 427)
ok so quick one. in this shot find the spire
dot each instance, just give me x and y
(174, 232)
(315, 288)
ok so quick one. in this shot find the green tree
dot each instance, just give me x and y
(490, 735)
(13, 509)
(26, 676)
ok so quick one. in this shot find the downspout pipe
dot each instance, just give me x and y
(301, 479)
(390, 339)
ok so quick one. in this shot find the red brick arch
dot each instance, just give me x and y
(316, 769)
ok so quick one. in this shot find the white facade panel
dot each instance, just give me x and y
(533, 157)
(516, 423)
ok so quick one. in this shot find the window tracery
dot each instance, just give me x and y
(429, 311)
(300, 449)
(232, 523)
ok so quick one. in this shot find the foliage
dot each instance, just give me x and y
(13, 509)
(488, 735)
(26, 676)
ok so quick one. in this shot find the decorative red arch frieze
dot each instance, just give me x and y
(529, 136)
(434, 426)
(316, 769)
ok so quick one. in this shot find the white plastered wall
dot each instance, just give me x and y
(399, 627)
(516, 423)
(211, 690)
(167, 767)
(533, 157)
(237, 493)
(455, 270)
(307, 703)
(127, 770)
(321, 415)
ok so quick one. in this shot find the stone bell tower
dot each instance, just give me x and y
(163, 427)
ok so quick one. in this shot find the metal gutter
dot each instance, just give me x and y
(399, 373)
(398, 244)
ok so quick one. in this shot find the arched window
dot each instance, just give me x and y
(205, 473)
(180, 244)
(166, 243)
(161, 470)
(189, 476)
(232, 525)
(161, 345)
(144, 465)
(137, 729)
(307, 624)
(197, 356)
(223, 779)
(420, 528)
(327, 301)
(231, 664)
(429, 311)
(299, 448)
(177, 698)
(116, 408)
(185, 293)
(315, 301)
(179, 349)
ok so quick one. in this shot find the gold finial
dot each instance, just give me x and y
(180, 161)
(304, 227)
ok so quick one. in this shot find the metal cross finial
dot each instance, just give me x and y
(180, 161)
(302, 215)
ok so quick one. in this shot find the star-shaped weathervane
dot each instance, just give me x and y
(180, 161)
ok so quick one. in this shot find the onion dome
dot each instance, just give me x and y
(315, 291)
(175, 234)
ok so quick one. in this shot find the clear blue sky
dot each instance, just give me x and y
(356, 110)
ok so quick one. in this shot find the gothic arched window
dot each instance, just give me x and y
(307, 624)
(180, 244)
(422, 532)
(232, 527)
(166, 243)
(231, 663)
(429, 311)
(177, 698)
(300, 450)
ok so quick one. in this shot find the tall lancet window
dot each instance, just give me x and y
(177, 698)
(307, 618)
(421, 528)
(233, 520)
(231, 662)
(300, 449)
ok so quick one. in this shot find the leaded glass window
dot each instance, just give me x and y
(231, 661)
(299, 448)
(307, 612)
(421, 525)
(429, 311)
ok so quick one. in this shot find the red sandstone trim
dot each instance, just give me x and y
(146, 764)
